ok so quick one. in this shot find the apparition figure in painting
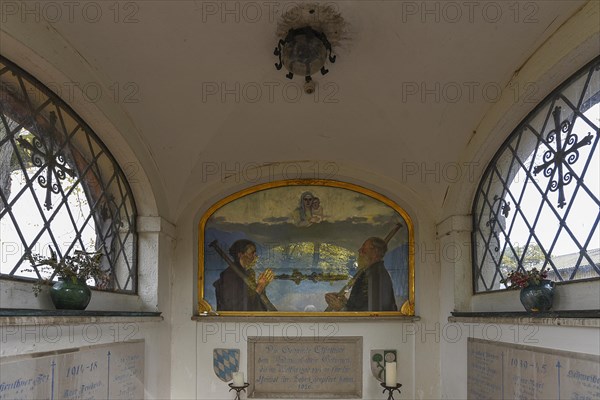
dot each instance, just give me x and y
(316, 211)
(309, 210)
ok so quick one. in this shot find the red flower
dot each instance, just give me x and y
(522, 279)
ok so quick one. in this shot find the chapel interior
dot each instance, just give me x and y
(199, 103)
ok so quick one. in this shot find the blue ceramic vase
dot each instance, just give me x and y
(538, 297)
(69, 295)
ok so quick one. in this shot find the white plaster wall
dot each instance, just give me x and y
(454, 351)
(34, 335)
(192, 375)
(41, 50)
(35, 338)
(570, 48)
(387, 335)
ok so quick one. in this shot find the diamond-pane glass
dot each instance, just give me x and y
(538, 203)
(60, 188)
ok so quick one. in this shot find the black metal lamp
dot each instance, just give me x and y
(304, 51)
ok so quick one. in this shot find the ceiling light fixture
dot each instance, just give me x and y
(307, 34)
(304, 51)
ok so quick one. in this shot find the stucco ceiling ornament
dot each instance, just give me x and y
(308, 33)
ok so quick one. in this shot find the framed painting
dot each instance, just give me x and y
(306, 247)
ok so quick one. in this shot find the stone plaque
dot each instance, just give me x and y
(499, 370)
(112, 371)
(305, 367)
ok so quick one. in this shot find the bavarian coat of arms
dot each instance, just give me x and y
(225, 363)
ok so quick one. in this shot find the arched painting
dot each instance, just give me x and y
(306, 247)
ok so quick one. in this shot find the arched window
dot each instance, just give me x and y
(538, 203)
(60, 188)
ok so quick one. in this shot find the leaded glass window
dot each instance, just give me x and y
(538, 203)
(60, 188)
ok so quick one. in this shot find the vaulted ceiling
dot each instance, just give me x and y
(196, 81)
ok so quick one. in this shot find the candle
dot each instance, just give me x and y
(390, 374)
(238, 379)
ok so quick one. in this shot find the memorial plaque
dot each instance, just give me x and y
(112, 371)
(311, 368)
(499, 370)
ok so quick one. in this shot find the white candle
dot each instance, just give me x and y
(390, 374)
(238, 379)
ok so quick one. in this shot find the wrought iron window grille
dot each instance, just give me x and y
(538, 203)
(60, 187)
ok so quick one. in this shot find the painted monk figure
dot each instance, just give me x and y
(373, 289)
(233, 294)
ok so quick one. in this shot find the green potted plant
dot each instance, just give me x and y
(537, 292)
(73, 271)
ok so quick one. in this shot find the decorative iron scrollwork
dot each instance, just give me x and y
(559, 220)
(563, 155)
(54, 162)
(46, 154)
(503, 207)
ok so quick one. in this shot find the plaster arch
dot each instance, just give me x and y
(426, 262)
(212, 182)
(574, 45)
(65, 69)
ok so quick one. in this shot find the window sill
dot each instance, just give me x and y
(15, 316)
(575, 318)
(302, 319)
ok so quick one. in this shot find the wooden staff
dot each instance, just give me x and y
(242, 274)
(361, 271)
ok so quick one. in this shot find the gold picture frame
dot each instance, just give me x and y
(307, 232)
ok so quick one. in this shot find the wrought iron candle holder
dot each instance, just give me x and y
(238, 389)
(391, 390)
